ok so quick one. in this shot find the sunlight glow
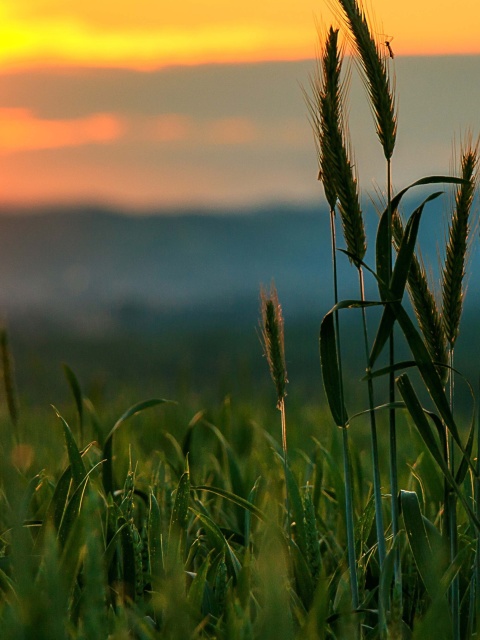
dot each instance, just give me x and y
(154, 34)
(20, 130)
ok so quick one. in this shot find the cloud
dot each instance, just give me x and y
(21, 130)
(211, 134)
(231, 131)
(170, 127)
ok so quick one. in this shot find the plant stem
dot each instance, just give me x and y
(477, 513)
(349, 519)
(285, 461)
(352, 564)
(374, 440)
(392, 414)
(452, 517)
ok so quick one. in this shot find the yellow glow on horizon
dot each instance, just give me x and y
(157, 33)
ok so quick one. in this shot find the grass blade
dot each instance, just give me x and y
(426, 558)
(228, 495)
(398, 280)
(76, 463)
(107, 473)
(77, 394)
(331, 372)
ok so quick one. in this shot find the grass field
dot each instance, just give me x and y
(184, 498)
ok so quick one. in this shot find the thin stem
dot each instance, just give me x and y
(374, 440)
(392, 416)
(352, 563)
(452, 513)
(393, 469)
(477, 513)
(285, 460)
(349, 520)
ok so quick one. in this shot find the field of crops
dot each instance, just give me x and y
(278, 515)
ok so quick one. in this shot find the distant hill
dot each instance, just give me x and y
(146, 299)
(95, 268)
(84, 263)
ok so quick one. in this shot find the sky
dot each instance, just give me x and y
(165, 104)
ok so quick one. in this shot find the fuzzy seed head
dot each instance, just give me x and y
(272, 333)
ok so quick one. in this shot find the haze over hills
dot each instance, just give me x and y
(148, 301)
(92, 263)
(93, 268)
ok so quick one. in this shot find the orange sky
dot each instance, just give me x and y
(155, 33)
(80, 119)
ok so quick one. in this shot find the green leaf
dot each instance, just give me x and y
(78, 468)
(73, 508)
(420, 543)
(228, 495)
(154, 538)
(76, 391)
(416, 411)
(332, 382)
(463, 468)
(330, 371)
(419, 417)
(427, 369)
(303, 576)
(179, 515)
(128, 561)
(383, 239)
(384, 371)
(197, 588)
(112, 545)
(58, 503)
(297, 511)
(248, 513)
(398, 280)
(219, 542)
(178, 524)
(108, 445)
(386, 579)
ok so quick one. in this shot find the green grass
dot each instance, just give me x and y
(183, 517)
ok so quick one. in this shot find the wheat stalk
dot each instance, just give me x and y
(377, 80)
(336, 173)
(336, 169)
(272, 332)
(453, 274)
(325, 85)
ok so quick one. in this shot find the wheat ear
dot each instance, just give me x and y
(336, 169)
(377, 79)
(456, 251)
(272, 330)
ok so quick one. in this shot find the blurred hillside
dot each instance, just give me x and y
(172, 300)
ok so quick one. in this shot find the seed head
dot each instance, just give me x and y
(272, 334)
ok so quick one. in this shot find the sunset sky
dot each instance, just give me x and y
(139, 104)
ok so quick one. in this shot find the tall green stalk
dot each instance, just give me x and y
(381, 95)
(272, 331)
(326, 114)
(477, 513)
(452, 299)
(374, 438)
(345, 439)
